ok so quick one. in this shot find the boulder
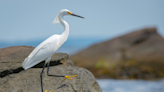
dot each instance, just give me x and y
(14, 79)
(141, 48)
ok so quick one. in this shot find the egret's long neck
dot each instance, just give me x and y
(65, 34)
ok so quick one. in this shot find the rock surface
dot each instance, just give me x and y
(141, 51)
(14, 79)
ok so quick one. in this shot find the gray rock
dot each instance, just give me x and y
(13, 57)
(29, 80)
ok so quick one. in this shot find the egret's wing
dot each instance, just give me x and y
(50, 43)
(44, 50)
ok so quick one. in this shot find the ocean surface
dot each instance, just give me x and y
(71, 46)
(110, 85)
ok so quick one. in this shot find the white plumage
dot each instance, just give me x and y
(47, 48)
(43, 51)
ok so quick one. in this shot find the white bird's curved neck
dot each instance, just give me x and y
(65, 34)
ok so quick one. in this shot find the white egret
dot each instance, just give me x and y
(47, 48)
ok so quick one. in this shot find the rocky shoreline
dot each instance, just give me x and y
(13, 78)
(136, 55)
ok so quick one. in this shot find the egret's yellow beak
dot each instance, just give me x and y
(69, 12)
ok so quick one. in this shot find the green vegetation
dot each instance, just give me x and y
(131, 69)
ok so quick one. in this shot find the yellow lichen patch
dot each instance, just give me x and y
(101, 64)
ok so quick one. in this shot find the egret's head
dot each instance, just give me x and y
(67, 12)
(63, 13)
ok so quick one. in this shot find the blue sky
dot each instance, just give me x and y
(25, 20)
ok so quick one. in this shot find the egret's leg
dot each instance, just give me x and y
(41, 76)
(66, 77)
(47, 60)
(52, 75)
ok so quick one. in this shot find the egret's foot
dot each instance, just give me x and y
(69, 77)
(50, 91)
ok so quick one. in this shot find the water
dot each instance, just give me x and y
(71, 46)
(110, 85)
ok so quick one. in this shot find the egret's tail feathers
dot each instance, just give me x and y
(23, 64)
(28, 63)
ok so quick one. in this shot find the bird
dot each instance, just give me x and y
(48, 47)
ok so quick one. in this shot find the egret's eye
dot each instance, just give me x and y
(69, 12)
